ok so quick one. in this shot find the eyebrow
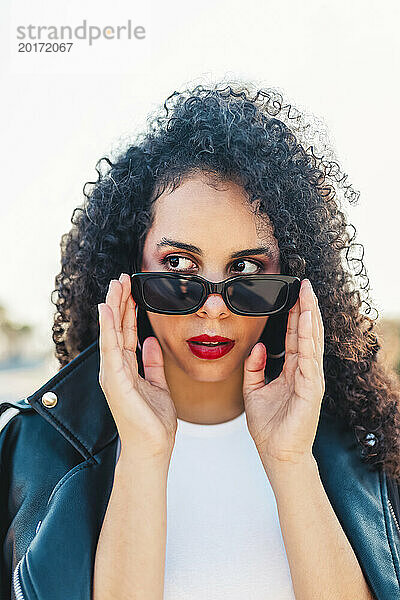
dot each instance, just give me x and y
(266, 250)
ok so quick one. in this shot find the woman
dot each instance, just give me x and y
(254, 418)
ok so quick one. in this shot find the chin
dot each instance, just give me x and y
(209, 377)
(207, 370)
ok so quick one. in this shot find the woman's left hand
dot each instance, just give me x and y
(283, 415)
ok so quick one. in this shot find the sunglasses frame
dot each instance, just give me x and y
(210, 287)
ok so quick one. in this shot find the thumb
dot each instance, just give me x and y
(153, 363)
(254, 365)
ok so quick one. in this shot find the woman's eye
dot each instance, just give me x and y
(251, 267)
(177, 263)
(183, 263)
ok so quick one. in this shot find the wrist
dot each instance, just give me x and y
(136, 459)
(284, 473)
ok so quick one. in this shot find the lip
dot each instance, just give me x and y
(209, 338)
(209, 352)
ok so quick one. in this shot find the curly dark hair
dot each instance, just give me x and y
(231, 132)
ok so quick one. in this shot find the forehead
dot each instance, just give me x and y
(212, 217)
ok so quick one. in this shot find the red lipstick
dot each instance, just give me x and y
(216, 347)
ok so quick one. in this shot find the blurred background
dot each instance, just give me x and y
(61, 111)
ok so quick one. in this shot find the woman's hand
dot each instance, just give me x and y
(142, 409)
(282, 416)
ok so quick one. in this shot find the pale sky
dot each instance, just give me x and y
(60, 112)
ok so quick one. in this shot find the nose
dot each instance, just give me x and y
(214, 307)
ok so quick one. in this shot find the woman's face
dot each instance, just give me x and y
(215, 225)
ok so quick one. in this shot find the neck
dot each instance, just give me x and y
(205, 402)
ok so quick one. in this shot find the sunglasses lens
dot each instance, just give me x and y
(258, 296)
(168, 293)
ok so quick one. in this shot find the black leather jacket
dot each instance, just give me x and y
(58, 450)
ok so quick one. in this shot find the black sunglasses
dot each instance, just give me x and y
(183, 294)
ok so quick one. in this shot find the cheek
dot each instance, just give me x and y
(252, 327)
(166, 327)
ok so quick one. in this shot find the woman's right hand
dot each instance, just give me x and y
(142, 408)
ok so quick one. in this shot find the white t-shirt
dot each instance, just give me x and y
(223, 534)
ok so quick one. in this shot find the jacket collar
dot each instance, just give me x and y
(81, 412)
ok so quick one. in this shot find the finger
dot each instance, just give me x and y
(317, 332)
(315, 325)
(320, 334)
(125, 281)
(110, 352)
(306, 354)
(153, 363)
(129, 325)
(322, 337)
(308, 302)
(113, 300)
(291, 331)
(254, 365)
(291, 341)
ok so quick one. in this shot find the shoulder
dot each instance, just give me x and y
(8, 410)
(344, 473)
(23, 429)
(30, 445)
(19, 419)
(11, 412)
